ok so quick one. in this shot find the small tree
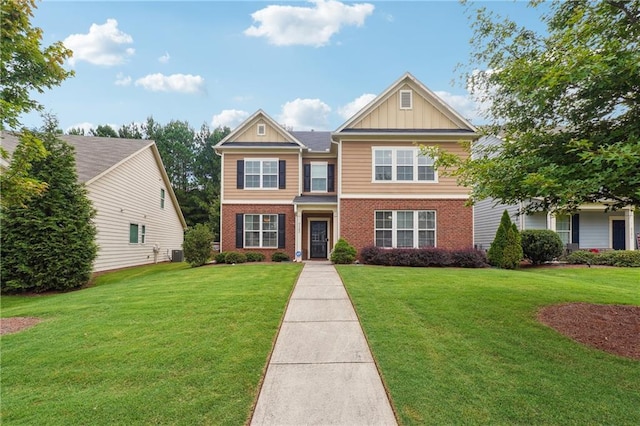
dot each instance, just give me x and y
(48, 243)
(541, 245)
(197, 245)
(506, 250)
(494, 255)
(343, 252)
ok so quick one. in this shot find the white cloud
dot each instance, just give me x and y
(86, 126)
(229, 118)
(309, 26)
(164, 58)
(465, 105)
(103, 45)
(349, 110)
(122, 80)
(305, 114)
(182, 83)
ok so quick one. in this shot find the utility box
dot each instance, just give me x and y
(177, 256)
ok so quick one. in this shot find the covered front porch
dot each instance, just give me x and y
(316, 218)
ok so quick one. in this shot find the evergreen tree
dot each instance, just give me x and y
(48, 243)
(495, 253)
(512, 251)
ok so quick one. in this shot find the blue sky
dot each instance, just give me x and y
(309, 65)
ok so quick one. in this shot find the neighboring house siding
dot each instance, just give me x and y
(422, 115)
(487, 218)
(357, 164)
(130, 194)
(453, 220)
(231, 191)
(228, 227)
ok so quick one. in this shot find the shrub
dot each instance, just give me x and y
(496, 250)
(280, 257)
(541, 245)
(506, 249)
(197, 245)
(621, 258)
(581, 257)
(220, 257)
(423, 257)
(235, 257)
(254, 256)
(343, 252)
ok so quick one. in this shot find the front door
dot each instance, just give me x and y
(617, 234)
(319, 240)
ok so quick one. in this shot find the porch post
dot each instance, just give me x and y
(551, 221)
(298, 213)
(334, 227)
(631, 236)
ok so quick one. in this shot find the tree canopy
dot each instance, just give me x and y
(565, 104)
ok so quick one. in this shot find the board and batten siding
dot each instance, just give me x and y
(388, 115)
(130, 193)
(250, 134)
(231, 191)
(357, 166)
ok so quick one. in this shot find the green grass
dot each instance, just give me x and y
(162, 344)
(461, 346)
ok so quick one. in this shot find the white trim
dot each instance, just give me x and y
(262, 174)
(416, 230)
(374, 196)
(244, 125)
(261, 129)
(260, 231)
(325, 164)
(317, 219)
(400, 95)
(394, 166)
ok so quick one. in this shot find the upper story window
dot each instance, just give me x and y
(406, 99)
(402, 165)
(318, 177)
(162, 193)
(262, 129)
(261, 174)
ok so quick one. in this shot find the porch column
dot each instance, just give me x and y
(298, 243)
(334, 227)
(630, 232)
(551, 221)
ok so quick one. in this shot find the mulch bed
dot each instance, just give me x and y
(611, 328)
(15, 324)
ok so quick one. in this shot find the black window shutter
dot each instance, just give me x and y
(239, 230)
(331, 171)
(282, 174)
(240, 178)
(307, 177)
(575, 228)
(281, 230)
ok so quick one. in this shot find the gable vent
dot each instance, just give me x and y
(406, 99)
(262, 129)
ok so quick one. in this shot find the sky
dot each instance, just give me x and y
(308, 65)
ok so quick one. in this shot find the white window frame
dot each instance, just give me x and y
(143, 233)
(416, 229)
(400, 96)
(417, 163)
(131, 225)
(261, 129)
(322, 166)
(261, 231)
(567, 231)
(162, 198)
(261, 173)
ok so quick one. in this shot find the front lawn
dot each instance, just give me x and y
(161, 344)
(460, 346)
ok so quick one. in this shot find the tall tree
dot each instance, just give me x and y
(566, 104)
(104, 131)
(49, 243)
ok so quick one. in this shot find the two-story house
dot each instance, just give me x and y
(367, 182)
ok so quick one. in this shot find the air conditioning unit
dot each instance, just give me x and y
(177, 256)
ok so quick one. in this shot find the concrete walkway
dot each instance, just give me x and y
(321, 371)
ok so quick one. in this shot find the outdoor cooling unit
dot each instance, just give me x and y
(177, 256)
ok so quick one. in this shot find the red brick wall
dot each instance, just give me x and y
(454, 221)
(228, 226)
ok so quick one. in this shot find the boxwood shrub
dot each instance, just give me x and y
(620, 258)
(541, 245)
(423, 257)
(280, 257)
(235, 257)
(254, 256)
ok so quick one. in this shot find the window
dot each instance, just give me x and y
(563, 228)
(405, 229)
(406, 99)
(133, 233)
(143, 233)
(261, 230)
(262, 129)
(161, 198)
(261, 174)
(402, 165)
(318, 177)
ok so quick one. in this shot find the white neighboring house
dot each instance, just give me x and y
(590, 227)
(137, 217)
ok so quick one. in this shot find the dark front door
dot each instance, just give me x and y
(318, 240)
(617, 229)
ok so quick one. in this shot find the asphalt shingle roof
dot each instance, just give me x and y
(315, 141)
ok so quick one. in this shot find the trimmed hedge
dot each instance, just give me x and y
(235, 257)
(620, 258)
(280, 257)
(254, 256)
(424, 257)
(541, 245)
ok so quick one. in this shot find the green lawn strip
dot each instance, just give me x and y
(460, 346)
(154, 345)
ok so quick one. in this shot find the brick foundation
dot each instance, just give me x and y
(454, 220)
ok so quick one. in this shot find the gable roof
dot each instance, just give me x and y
(463, 124)
(314, 140)
(228, 141)
(97, 156)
